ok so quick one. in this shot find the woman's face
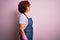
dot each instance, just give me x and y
(28, 9)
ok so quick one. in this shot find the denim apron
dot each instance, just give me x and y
(29, 29)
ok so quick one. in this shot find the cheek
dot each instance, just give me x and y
(28, 9)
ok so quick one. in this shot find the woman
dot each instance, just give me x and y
(23, 7)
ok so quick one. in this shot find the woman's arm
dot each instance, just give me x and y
(22, 26)
(22, 29)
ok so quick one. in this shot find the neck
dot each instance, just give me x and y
(26, 13)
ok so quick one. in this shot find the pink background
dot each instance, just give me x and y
(45, 14)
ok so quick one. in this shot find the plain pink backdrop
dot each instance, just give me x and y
(45, 14)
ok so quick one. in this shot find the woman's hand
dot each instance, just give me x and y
(24, 37)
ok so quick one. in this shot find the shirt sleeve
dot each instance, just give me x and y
(22, 19)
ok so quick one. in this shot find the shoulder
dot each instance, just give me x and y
(22, 19)
(22, 16)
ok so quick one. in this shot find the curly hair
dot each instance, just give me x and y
(22, 6)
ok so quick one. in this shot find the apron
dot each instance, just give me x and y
(29, 29)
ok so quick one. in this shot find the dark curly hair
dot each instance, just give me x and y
(22, 6)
